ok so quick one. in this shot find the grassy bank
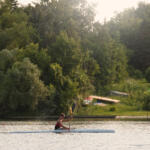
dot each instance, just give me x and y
(137, 103)
(118, 110)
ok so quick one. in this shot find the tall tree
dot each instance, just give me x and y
(109, 54)
(52, 17)
(66, 52)
(22, 88)
(15, 30)
(38, 57)
(133, 27)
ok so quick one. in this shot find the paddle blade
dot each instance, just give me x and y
(70, 110)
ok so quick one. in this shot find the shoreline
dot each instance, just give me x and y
(78, 118)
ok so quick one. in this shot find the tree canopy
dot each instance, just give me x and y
(54, 54)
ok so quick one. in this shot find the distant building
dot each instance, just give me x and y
(101, 101)
(87, 100)
(117, 93)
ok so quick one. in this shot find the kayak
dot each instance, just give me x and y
(85, 131)
(63, 131)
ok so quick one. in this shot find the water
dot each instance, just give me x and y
(127, 136)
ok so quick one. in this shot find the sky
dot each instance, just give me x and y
(105, 9)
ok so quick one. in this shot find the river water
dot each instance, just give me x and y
(128, 136)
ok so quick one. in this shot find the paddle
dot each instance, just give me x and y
(71, 110)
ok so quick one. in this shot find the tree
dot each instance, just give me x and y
(110, 56)
(66, 89)
(15, 31)
(147, 74)
(9, 5)
(52, 17)
(38, 57)
(22, 88)
(66, 52)
(133, 28)
(7, 58)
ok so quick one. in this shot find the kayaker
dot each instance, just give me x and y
(59, 124)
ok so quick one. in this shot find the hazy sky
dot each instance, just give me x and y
(105, 8)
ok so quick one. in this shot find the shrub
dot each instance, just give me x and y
(112, 109)
(147, 74)
(146, 101)
(135, 73)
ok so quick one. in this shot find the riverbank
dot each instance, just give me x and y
(78, 118)
(110, 112)
(115, 110)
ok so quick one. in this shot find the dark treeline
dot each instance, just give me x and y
(54, 54)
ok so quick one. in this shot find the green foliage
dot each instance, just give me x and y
(22, 88)
(147, 74)
(112, 109)
(89, 64)
(9, 5)
(15, 31)
(39, 57)
(135, 73)
(55, 51)
(66, 52)
(66, 89)
(133, 26)
(135, 90)
(52, 17)
(85, 85)
(120, 110)
(6, 59)
(111, 57)
(146, 100)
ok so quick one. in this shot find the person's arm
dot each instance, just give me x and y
(64, 127)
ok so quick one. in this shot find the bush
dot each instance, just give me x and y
(22, 87)
(146, 101)
(135, 73)
(147, 74)
(112, 109)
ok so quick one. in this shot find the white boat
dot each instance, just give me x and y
(63, 131)
(84, 131)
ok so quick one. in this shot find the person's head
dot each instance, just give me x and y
(62, 115)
